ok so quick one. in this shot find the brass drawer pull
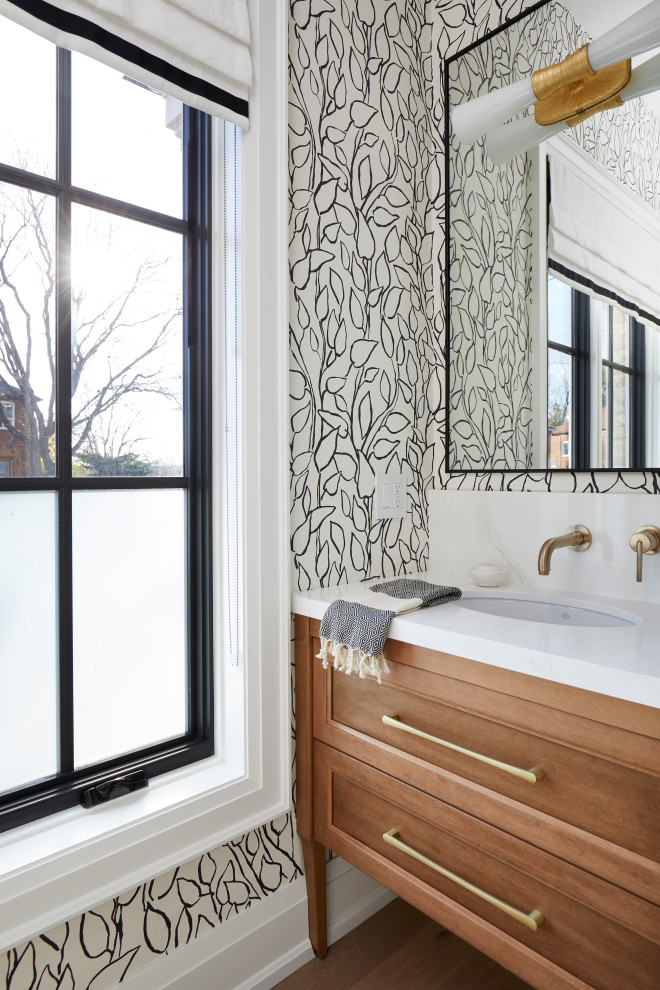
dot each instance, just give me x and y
(531, 776)
(532, 920)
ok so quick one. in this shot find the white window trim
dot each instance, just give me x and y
(11, 418)
(53, 869)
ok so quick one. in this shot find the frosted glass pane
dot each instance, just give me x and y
(28, 638)
(129, 621)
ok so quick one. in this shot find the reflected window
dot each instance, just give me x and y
(599, 397)
(561, 359)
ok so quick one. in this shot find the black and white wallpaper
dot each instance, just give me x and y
(362, 172)
(367, 394)
(96, 950)
(491, 373)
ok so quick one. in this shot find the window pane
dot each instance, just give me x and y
(559, 312)
(607, 401)
(27, 331)
(129, 615)
(620, 338)
(27, 84)
(127, 349)
(127, 140)
(559, 409)
(620, 419)
(604, 322)
(28, 638)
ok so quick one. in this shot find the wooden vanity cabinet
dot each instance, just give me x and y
(579, 844)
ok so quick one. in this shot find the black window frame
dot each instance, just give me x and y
(65, 789)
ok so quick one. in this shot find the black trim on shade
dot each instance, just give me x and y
(82, 28)
(642, 314)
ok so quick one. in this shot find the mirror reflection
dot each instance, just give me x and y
(553, 290)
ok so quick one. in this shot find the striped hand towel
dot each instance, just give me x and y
(355, 627)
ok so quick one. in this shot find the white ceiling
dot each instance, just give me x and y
(598, 16)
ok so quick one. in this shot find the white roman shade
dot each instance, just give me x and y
(604, 235)
(197, 51)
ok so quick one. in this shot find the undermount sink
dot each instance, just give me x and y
(552, 613)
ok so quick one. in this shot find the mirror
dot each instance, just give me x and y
(549, 366)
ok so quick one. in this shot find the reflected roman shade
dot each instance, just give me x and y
(604, 239)
(197, 51)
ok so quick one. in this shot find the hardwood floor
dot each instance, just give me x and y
(401, 949)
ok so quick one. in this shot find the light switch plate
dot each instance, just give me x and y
(391, 497)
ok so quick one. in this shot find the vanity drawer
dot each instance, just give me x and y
(601, 934)
(601, 795)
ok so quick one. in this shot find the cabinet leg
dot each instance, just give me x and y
(314, 863)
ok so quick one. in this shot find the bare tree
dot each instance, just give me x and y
(101, 406)
(559, 395)
(20, 216)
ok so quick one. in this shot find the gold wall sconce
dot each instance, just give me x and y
(596, 77)
(571, 91)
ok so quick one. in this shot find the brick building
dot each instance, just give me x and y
(14, 435)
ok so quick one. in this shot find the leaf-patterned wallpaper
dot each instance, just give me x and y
(367, 394)
(491, 401)
(361, 175)
(99, 948)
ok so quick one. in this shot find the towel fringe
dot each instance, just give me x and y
(349, 661)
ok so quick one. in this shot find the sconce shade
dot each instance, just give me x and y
(473, 119)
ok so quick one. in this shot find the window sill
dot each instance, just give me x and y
(54, 870)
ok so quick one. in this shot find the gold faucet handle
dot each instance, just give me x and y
(646, 539)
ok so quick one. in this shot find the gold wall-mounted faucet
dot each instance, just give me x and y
(646, 539)
(575, 538)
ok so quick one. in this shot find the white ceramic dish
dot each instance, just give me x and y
(489, 575)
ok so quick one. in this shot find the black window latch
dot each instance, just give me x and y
(113, 788)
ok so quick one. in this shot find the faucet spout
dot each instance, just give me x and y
(575, 537)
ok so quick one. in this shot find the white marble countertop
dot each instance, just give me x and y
(623, 662)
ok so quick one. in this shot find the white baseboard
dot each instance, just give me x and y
(265, 943)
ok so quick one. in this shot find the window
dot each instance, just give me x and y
(4, 469)
(599, 382)
(561, 359)
(246, 782)
(105, 524)
(8, 415)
